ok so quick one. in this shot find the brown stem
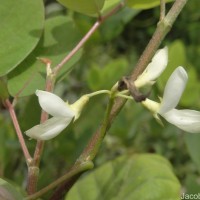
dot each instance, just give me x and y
(162, 9)
(33, 171)
(44, 116)
(86, 37)
(162, 29)
(18, 131)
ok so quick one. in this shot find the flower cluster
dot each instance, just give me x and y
(63, 113)
(187, 120)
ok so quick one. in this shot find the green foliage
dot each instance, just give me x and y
(20, 31)
(109, 5)
(57, 41)
(3, 89)
(102, 77)
(89, 7)
(115, 25)
(144, 4)
(144, 176)
(8, 192)
(110, 54)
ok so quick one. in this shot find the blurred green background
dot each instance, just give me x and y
(110, 54)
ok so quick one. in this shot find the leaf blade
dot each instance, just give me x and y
(145, 176)
(20, 31)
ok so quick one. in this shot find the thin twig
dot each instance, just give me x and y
(86, 37)
(161, 31)
(18, 131)
(162, 9)
(33, 171)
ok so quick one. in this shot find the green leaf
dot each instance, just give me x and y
(3, 89)
(89, 7)
(114, 25)
(142, 177)
(8, 192)
(60, 36)
(21, 28)
(144, 4)
(109, 5)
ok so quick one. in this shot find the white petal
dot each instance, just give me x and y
(53, 104)
(49, 129)
(173, 90)
(187, 120)
(154, 69)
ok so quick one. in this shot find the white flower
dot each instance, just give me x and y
(62, 113)
(187, 120)
(154, 69)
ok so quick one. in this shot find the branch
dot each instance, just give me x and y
(11, 110)
(162, 29)
(86, 37)
(33, 171)
(80, 169)
(162, 9)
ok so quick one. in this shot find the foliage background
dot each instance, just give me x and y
(110, 54)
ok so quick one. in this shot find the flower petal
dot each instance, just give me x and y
(187, 120)
(49, 129)
(53, 104)
(154, 69)
(173, 90)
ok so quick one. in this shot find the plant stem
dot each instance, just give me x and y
(162, 9)
(33, 171)
(89, 152)
(18, 131)
(161, 31)
(98, 92)
(93, 146)
(86, 37)
(79, 169)
(44, 116)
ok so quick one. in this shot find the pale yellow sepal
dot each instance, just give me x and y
(78, 106)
